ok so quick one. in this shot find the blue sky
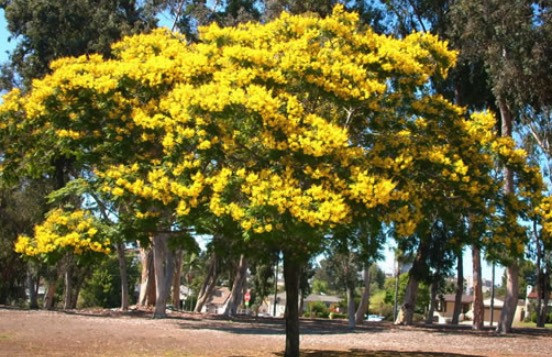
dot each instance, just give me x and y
(4, 44)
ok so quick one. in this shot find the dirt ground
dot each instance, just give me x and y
(134, 333)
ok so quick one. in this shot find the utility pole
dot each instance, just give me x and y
(492, 293)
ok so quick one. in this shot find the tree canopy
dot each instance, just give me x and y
(291, 129)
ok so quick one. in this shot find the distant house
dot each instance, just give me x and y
(445, 307)
(497, 309)
(532, 296)
(269, 305)
(274, 307)
(185, 294)
(218, 301)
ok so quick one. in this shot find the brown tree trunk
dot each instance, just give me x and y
(68, 279)
(510, 303)
(147, 286)
(163, 270)
(459, 291)
(406, 311)
(545, 294)
(178, 257)
(124, 275)
(237, 288)
(292, 272)
(32, 282)
(208, 285)
(49, 297)
(433, 297)
(365, 299)
(351, 306)
(512, 271)
(478, 307)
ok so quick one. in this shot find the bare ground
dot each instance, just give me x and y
(134, 333)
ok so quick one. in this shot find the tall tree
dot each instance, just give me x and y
(501, 34)
(291, 129)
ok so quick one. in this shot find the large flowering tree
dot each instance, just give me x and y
(290, 128)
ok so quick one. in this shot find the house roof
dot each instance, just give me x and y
(323, 298)
(533, 294)
(219, 296)
(498, 303)
(329, 299)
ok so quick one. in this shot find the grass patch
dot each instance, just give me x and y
(523, 324)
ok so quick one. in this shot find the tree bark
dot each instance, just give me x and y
(406, 313)
(49, 297)
(208, 285)
(512, 271)
(351, 305)
(177, 275)
(124, 275)
(365, 299)
(510, 303)
(478, 307)
(433, 297)
(69, 271)
(459, 291)
(32, 283)
(147, 286)
(292, 271)
(161, 262)
(237, 288)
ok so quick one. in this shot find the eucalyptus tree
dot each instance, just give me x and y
(505, 36)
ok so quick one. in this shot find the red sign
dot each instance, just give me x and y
(247, 296)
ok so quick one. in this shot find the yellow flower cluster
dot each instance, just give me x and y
(293, 118)
(76, 231)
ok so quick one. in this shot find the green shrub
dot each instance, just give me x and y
(103, 287)
(317, 309)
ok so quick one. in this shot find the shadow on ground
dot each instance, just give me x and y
(365, 353)
(271, 326)
(386, 353)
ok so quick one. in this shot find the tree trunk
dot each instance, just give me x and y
(208, 285)
(478, 307)
(49, 297)
(79, 275)
(178, 257)
(292, 272)
(32, 283)
(351, 305)
(545, 291)
(406, 313)
(169, 270)
(365, 299)
(459, 291)
(512, 271)
(69, 271)
(147, 286)
(510, 303)
(237, 288)
(433, 297)
(161, 262)
(124, 275)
